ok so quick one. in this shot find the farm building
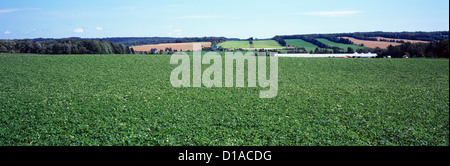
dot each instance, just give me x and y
(154, 50)
(290, 48)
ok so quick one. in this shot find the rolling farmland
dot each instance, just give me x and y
(405, 40)
(174, 46)
(266, 44)
(301, 43)
(373, 44)
(128, 100)
(340, 45)
(382, 44)
(235, 44)
(246, 44)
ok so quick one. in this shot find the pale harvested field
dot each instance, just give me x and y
(411, 41)
(372, 44)
(174, 46)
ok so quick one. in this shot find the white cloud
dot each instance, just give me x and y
(17, 9)
(173, 31)
(78, 30)
(99, 28)
(7, 32)
(8, 10)
(336, 13)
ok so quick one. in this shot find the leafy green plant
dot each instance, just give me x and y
(128, 100)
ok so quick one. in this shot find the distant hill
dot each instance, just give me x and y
(136, 41)
(371, 36)
(335, 37)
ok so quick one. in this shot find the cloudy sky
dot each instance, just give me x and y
(21, 19)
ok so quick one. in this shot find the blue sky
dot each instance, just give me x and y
(231, 18)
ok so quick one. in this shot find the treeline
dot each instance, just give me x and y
(312, 39)
(280, 40)
(135, 41)
(435, 49)
(391, 40)
(64, 46)
(424, 36)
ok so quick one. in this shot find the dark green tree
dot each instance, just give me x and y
(350, 50)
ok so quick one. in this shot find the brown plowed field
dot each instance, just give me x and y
(372, 44)
(411, 41)
(174, 46)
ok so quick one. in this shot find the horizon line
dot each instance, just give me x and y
(217, 36)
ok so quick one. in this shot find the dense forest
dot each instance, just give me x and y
(424, 36)
(63, 46)
(134, 41)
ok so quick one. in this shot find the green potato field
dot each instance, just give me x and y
(128, 100)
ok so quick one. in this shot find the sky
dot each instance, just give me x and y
(20, 19)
